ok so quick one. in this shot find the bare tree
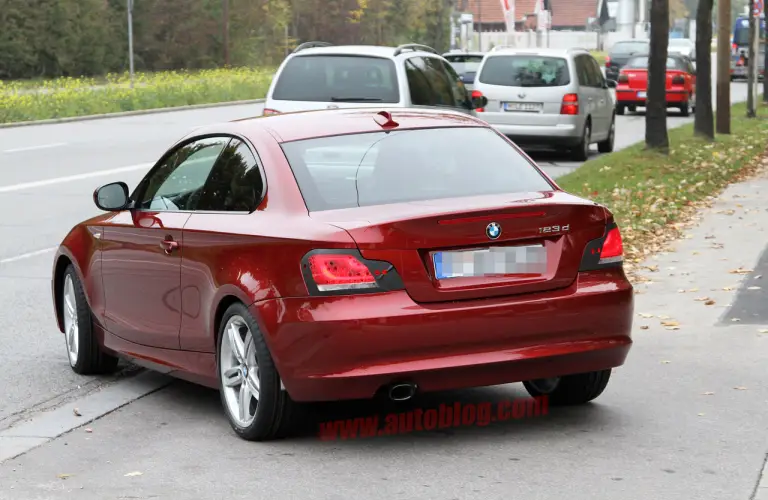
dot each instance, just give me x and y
(656, 136)
(723, 120)
(751, 63)
(704, 122)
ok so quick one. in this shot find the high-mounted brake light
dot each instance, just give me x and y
(268, 112)
(343, 272)
(476, 94)
(570, 105)
(604, 252)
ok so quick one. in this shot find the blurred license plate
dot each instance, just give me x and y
(526, 107)
(641, 95)
(496, 261)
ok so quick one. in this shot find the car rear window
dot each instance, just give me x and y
(408, 165)
(642, 63)
(525, 71)
(334, 78)
(465, 63)
(629, 47)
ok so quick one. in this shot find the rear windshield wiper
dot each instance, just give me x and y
(354, 99)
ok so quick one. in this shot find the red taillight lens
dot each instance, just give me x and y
(476, 94)
(268, 112)
(607, 61)
(613, 247)
(332, 272)
(570, 105)
(623, 79)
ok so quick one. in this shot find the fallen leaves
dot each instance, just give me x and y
(754, 288)
(644, 327)
(77, 412)
(64, 476)
(763, 330)
(740, 388)
(134, 474)
(740, 271)
(708, 393)
(710, 302)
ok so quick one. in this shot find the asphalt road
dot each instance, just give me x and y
(47, 176)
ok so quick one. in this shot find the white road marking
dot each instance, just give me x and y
(70, 178)
(32, 148)
(28, 255)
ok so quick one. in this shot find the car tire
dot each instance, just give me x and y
(86, 356)
(633, 109)
(606, 146)
(571, 389)
(685, 109)
(581, 151)
(620, 108)
(273, 410)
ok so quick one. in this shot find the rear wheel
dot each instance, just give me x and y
(257, 408)
(581, 151)
(620, 109)
(633, 109)
(85, 355)
(570, 389)
(685, 109)
(606, 146)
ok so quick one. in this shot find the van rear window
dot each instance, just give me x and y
(525, 71)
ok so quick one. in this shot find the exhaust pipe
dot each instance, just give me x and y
(402, 392)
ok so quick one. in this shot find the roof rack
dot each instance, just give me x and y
(499, 47)
(414, 47)
(309, 45)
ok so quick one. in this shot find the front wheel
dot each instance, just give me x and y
(570, 389)
(606, 146)
(257, 408)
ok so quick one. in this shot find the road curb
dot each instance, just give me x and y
(128, 113)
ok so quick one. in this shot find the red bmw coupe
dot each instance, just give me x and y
(342, 254)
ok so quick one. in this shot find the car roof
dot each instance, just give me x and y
(323, 123)
(462, 53)
(356, 50)
(534, 51)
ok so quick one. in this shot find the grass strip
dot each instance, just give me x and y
(71, 97)
(652, 195)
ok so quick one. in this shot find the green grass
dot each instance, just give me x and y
(650, 193)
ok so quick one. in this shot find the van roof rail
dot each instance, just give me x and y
(499, 47)
(310, 45)
(414, 46)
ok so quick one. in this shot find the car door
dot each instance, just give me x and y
(604, 102)
(214, 237)
(142, 247)
(430, 87)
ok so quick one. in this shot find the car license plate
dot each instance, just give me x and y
(641, 95)
(524, 107)
(494, 261)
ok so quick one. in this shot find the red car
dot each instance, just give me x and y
(632, 88)
(342, 254)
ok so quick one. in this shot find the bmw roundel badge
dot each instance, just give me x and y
(493, 230)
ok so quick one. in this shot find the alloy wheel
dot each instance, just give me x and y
(587, 139)
(239, 371)
(71, 329)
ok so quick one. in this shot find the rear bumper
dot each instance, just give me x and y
(333, 348)
(630, 97)
(554, 135)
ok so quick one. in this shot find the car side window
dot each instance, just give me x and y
(178, 182)
(421, 94)
(457, 86)
(582, 71)
(597, 74)
(439, 91)
(235, 184)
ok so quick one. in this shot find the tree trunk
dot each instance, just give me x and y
(656, 110)
(723, 119)
(704, 124)
(752, 63)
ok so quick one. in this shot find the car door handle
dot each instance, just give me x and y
(168, 245)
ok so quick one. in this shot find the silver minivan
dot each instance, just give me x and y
(548, 97)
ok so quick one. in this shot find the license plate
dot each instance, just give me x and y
(525, 107)
(641, 95)
(492, 262)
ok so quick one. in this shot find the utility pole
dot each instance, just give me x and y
(225, 28)
(723, 113)
(130, 38)
(751, 64)
(480, 24)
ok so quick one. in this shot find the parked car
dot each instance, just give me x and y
(683, 46)
(548, 97)
(465, 64)
(245, 262)
(632, 89)
(620, 53)
(318, 75)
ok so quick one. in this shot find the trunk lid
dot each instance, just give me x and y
(407, 235)
(638, 78)
(539, 106)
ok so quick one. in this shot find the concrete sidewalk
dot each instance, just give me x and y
(685, 418)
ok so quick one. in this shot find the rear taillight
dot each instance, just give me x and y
(607, 61)
(570, 105)
(607, 251)
(477, 94)
(268, 112)
(678, 80)
(343, 272)
(623, 79)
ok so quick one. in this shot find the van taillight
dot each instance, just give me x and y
(570, 105)
(607, 251)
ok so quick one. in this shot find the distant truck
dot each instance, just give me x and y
(740, 48)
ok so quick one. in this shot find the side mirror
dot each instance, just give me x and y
(611, 84)
(479, 102)
(112, 197)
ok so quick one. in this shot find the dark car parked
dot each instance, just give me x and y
(620, 53)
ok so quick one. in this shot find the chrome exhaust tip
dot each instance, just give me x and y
(402, 392)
